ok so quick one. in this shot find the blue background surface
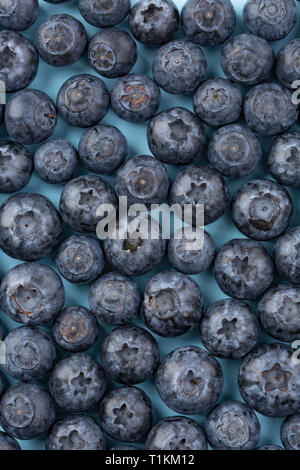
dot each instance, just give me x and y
(49, 80)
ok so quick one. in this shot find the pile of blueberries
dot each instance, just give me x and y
(58, 390)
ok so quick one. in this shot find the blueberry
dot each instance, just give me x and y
(143, 180)
(81, 199)
(201, 185)
(191, 256)
(229, 329)
(279, 310)
(269, 380)
(243, 269)
(283, 159)
(102, 149)
(247, 59)
(136, 253)
(103, 13)
(115, 299)
(19, 61)
(75, 329)
(30, 226)
(154, 22)
(61, 40)
(32, 293)
(234, 151)
(189, 380)
(172, 305)
(290, 432)
(126, 414)
(129, 354)
(18, 15)
(269, 109)
(176, 136)
(8, 443)
(270, 20)
(29, 353)
(176, 433)
(27, 411)
(287, 256)
(135, 98)
(83, 100)
(287, 63)
(56, 161)
(218, 102)
(16, 166)
(77, 383)
(208, 22)
(232, 425)
(76, 432)
(80, 258)
(262, 209)
(179, 67)
(30, 117)
(112, 52)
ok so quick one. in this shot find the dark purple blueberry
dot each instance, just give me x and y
(290, 432)
(103, 13)
(283, 159)
(56, 161)
(18, 15)
(16, 166)
(8, 443)
(287, 256)
(287, 63)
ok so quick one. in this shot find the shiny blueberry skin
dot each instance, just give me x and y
(83, 100)
(232, 425)
(104, 13)
(176, 433)
(229, 329)
(29, 353)
(176, 136)
(27, 411)
(56, 161)
(201, 185)
(269, 380)
(172, 304)
(287, 256)
(8, 443)
(154, 22)
(283, 159)
(135, 98)
(30, 116)
(289, 432)
(102, 149)
(80, 200)
(218, 101)
(287, 67)
(126, 414)
(75, 329)
(16, 166)
(191, 256)
(19, 61)
(189, 380)
(279, 310)
(269, 109)
(114, 299)
(30, 226)
(80, 258)
(234, 151)
(143, 180)
(18, 15)
(77, 383)
(32, 293)
(129, 355)
(208, 22)
(262, 209)
(247, 59)
(61, 40)
(76, 432)
(270, 20)
(243, 269)
(112, 53)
